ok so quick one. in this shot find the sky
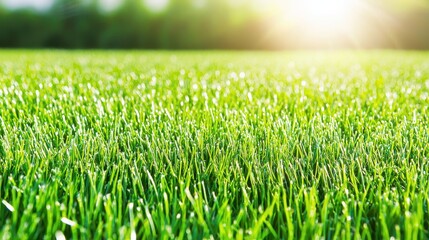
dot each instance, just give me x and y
(37, 4)
(155, 5)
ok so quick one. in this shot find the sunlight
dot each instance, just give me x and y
(156, 5)
(39, 4)
(327, 16)
(110, 5)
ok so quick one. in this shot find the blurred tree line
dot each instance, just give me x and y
(186, 25)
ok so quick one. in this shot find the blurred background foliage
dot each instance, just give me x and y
(202, 24)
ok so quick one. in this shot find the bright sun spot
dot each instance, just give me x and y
(156, 5)
(38, 4)
(321, 15)
(110, 5)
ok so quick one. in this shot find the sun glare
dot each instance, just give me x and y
(39, 4)
(110, 5)
(156, 5)
(321, 15)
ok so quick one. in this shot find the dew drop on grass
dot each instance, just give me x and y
(8, 205)
(69, 222)
(60, 236)
(249, 96)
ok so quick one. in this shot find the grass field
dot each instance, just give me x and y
(214, 145)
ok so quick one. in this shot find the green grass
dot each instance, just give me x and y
(214, 145)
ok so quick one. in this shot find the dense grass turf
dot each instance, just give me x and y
(214, 145)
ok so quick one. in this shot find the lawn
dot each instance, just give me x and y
(245, 145)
